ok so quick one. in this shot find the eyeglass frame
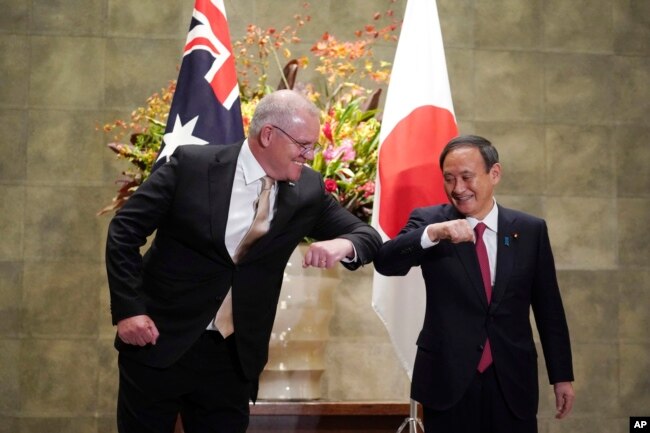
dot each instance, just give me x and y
(305, 147)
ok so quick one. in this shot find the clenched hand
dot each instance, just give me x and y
(138, 330)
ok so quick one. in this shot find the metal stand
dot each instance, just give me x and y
(412, 421)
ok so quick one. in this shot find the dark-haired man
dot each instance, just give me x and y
(484, 267)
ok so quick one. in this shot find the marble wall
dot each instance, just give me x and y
(560, 87)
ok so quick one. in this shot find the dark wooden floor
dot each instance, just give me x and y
(339, 417)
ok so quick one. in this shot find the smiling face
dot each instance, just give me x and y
(285, 158)
(469, 187)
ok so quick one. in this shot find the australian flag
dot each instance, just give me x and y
(206, 107)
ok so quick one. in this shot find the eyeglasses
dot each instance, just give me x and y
(305, 147)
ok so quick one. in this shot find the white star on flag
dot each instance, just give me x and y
(181, 135)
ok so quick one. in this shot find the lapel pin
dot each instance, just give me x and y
(506, 238)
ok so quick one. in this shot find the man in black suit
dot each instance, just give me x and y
(476, 363)
(173, 355)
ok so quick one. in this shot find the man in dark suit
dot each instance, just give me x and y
(175, 353)
(476, 363)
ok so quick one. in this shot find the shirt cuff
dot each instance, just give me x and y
(425, 242)
(353, 259)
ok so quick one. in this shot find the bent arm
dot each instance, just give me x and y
(398, 255)
(336, 223)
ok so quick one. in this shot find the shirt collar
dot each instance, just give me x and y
(491, 220)
(252, 169)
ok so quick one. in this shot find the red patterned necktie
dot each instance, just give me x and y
(260, 225)
(484, 263)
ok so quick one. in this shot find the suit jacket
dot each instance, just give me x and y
(458, 319)
(184, 276)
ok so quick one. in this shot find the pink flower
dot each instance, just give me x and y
(329, 153)
(347, 149)
(368, 189)
(330, 185)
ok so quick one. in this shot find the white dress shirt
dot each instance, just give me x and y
(491, 220)
(246, 187)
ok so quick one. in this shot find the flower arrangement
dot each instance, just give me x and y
(145, 131)
(343, 71)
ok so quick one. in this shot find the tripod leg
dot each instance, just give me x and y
(404, 424)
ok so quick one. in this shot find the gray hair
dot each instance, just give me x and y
(279, 108)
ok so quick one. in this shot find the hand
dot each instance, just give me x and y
(564, 396)
(456, 231)
(326, 254)
(138, 330)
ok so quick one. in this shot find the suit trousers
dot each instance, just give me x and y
(206, 386)
(482, 409)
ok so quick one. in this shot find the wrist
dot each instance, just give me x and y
(432, 234)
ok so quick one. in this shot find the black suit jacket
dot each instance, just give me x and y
(183, 278)
(458, 318)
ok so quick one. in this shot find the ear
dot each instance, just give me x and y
(265, 135)
(495, 173)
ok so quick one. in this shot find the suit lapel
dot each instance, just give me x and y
(506, 253)
(285, 205)
(221, 174)
(467, 256)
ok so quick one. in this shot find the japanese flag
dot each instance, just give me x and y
(418, 121)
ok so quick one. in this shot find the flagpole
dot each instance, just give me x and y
(412, 421)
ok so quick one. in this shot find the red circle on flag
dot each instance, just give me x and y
(409, 173)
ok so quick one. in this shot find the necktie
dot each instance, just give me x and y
(484, 263)
(260, 225)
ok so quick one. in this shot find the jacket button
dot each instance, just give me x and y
(481, 347)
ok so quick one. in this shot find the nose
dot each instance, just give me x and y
(308, 154)
(459, 186)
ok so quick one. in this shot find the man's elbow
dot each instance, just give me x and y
(386, 266)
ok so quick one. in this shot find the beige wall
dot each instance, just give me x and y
(560, 86)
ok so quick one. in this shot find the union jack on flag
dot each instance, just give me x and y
(206, 107)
